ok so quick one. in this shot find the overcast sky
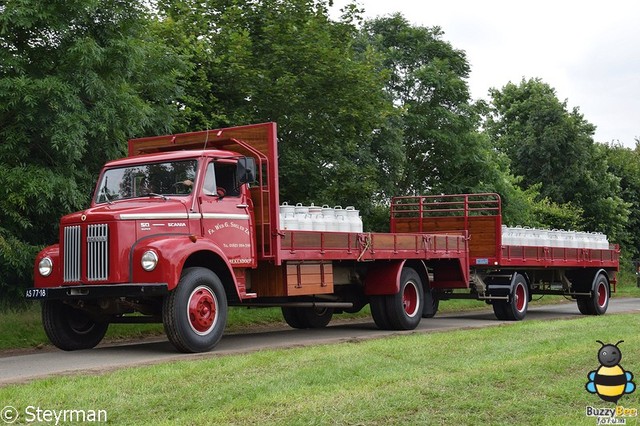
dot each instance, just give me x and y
(588, 51)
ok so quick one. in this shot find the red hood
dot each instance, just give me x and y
(138, 206)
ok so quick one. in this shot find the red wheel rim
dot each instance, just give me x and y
(410, 301)
(521, 297)
(203, 310)
(602, 295)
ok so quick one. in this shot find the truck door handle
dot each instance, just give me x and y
(242, 206)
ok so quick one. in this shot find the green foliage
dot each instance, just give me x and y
(625, 164)
(553, 148)
(77, 78)
(437, 123)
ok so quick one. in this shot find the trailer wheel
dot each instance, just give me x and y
(516, 308)
(307, 317)
(404, 309)
(71, 329)
(194, 314)
(598, 302)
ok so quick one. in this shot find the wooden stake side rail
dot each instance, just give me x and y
(361, 247)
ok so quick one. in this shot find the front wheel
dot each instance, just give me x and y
(515, 308)
(598, 302)
(194, 314)
(71, 329)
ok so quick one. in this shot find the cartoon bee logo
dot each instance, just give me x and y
(610, 381)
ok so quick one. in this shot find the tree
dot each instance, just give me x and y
(554, 147)
(288, 62)
(625, 164)
(77, 78)
(427, 83)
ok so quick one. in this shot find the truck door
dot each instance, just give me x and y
(226, 218)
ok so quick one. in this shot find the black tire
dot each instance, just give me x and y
(598, 302)
(291, 317)
(404, 309)
(431, 304)
(71, 329)
(499, 310)
(515, 309)
(307, 317)
(194, 314)
(379, 312)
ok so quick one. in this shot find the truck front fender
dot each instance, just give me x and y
(173, 251)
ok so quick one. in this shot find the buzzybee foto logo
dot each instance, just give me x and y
(610, 381)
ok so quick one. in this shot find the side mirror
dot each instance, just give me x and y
(246, 170)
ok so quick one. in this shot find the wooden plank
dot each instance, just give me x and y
(309, 278)
(407, 225)
(453, 223)
(482, 232)
(268, 280)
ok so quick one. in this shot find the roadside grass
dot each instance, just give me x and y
(21, 329)
(531, 372)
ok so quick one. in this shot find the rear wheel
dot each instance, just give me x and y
(431, 304)
(307, 317)
(379, 312)
(194, 314)
(515, 308)
(598, 302)
(403, 310)
(71, 329)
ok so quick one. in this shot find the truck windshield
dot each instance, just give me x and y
(174, 178)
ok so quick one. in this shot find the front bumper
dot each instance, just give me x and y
(97, 291)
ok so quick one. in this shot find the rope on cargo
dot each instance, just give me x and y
(367, 244)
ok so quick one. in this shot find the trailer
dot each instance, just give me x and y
(508, 275)
(188, 225)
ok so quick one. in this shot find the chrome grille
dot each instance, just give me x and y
(97, 252)
(72, 253)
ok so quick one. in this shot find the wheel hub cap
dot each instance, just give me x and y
(410, 299)
(202, 310)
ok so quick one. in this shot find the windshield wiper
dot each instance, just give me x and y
(153, 194)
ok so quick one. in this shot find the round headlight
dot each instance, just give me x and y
(149, 260)
(45, 267)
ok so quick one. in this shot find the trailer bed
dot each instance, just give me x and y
(480, 216)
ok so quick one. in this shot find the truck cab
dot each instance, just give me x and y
(151, 216)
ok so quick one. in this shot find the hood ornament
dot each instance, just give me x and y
(83, 217)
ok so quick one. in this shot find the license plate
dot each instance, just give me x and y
(36, 293)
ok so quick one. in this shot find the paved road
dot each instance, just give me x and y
(24, 367)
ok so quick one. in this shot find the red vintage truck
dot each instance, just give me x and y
(189, 224)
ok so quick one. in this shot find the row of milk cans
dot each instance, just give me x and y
(320, 218)
(525, 236)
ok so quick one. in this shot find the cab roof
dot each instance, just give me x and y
(160, 157)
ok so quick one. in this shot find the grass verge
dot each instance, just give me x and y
(530, 372)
